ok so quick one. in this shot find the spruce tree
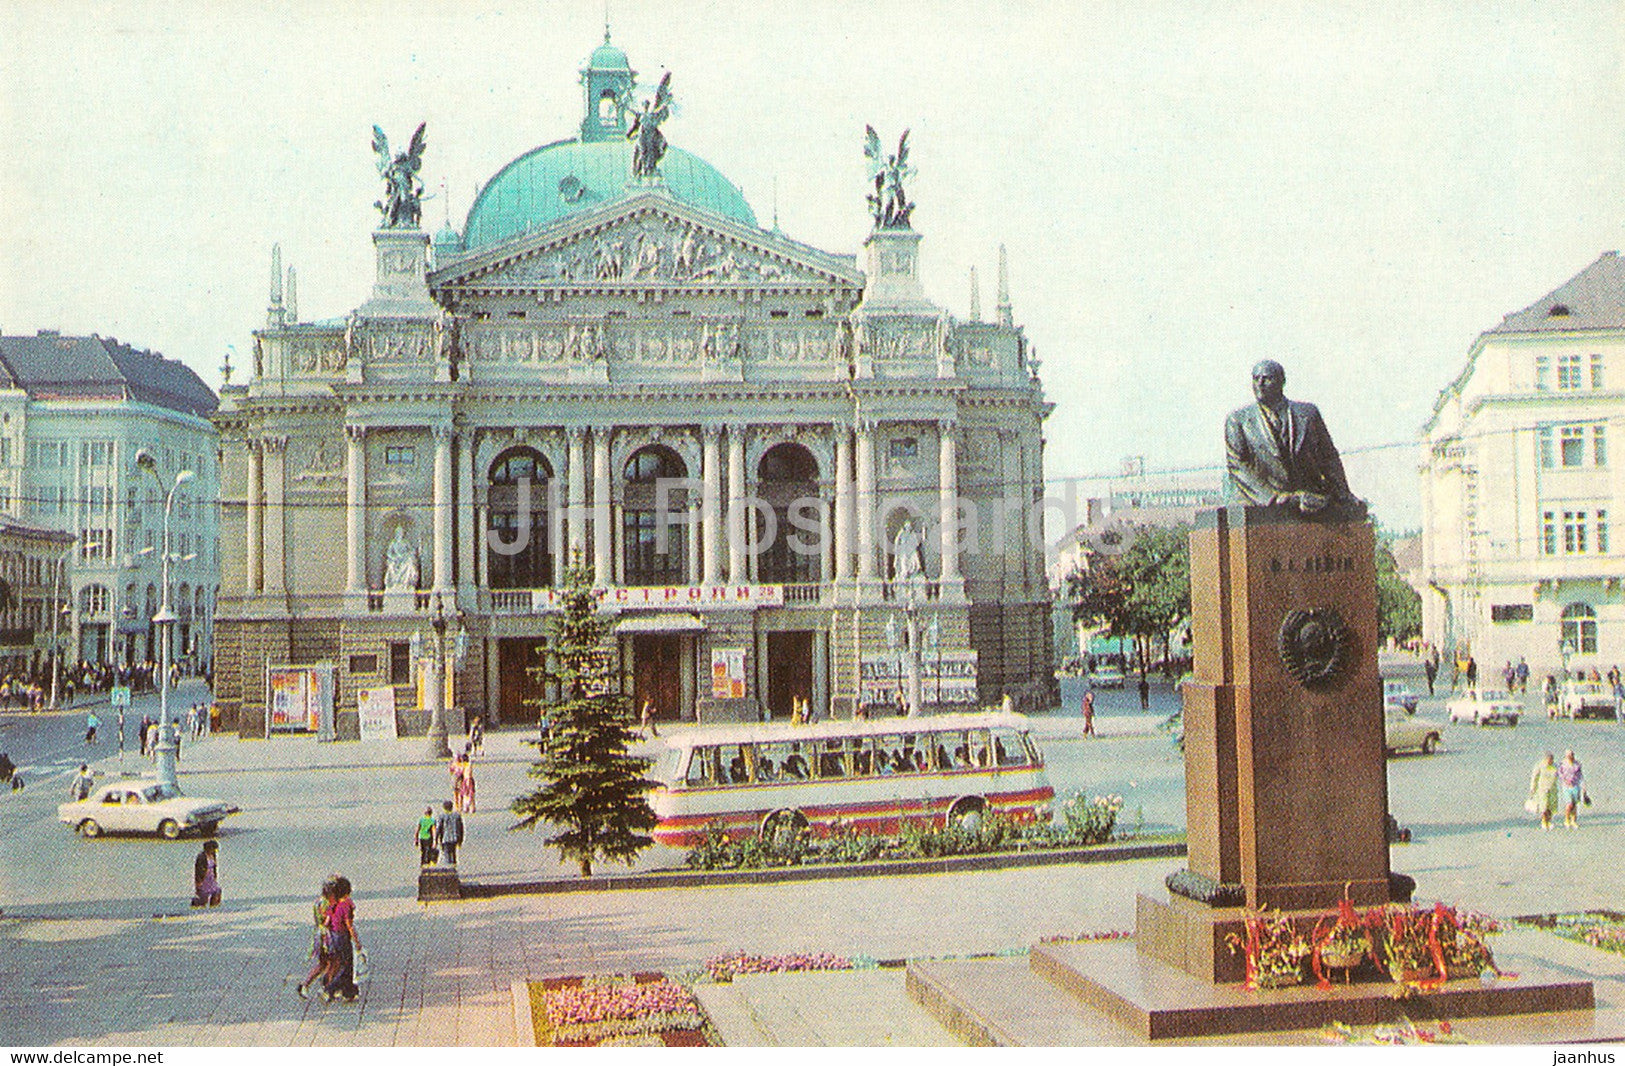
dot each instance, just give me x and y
(592, 789)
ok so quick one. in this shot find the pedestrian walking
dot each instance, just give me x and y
(92, 723)
(465, 785)
(1089, 713)
(320, 960)
(82, 784)
(448, 833)
(1145, 694)
(1472, 674)
(1543, 790)
(646, 720)
(1431, 669)
(476, 735)
(456, 769)
(342, 943)
(1548, 695)
(206, 875)
(1509, 677)
(1520, 673)
(1570, 789)
(424, 835)
(121, 731)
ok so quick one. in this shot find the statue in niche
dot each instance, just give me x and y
(402, 204)
(907, 551)
(400, 563)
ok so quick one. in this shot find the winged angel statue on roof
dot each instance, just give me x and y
(402, 204)
(651, 146)
(889, 203)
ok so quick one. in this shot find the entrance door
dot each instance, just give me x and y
(657, 674)
(789, 670)
(517, 661)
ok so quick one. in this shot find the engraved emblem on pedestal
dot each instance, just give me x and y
(1314, 646)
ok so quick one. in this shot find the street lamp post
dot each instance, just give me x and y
(168, 748)
(56, 617)
(911, 612)
(438, 748)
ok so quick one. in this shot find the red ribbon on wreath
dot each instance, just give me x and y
(1255, 932)
(1319, 940)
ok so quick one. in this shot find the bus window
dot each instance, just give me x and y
(769, 759)
(889, 755)
(832, 760)
(977, 741)
(941, 742)
(862, 761)
(1008, 750)
(958, 748)
(794, 766)
(916, 755)
(702, 766)
(731, 765)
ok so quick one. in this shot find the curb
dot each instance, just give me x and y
(524, 1023)
(784, 874)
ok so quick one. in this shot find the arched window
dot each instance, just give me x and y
(791, 544)
(516, 550)
(1580, 628)
(654, 542)
(183, 602)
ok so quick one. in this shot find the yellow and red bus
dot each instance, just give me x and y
(870, 775)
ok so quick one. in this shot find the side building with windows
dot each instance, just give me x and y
(749, 443)
(75, 412)
(1520, 490)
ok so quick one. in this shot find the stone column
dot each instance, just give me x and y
(843, 503)
(711, 506)
(736, 505)
(443, 437)
(254, 556)
(602, 562)
(948, 497)
(576, 500)
(355, 509)
(468, 537)
(866, 500)
(275, 531)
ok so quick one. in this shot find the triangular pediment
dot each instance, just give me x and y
(648, 240)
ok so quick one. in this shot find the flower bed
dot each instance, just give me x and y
(1081, 821)
(1604, 930)
(616, 1008)
(1087, 936)
(724, 968)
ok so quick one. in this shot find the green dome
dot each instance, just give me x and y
(552, 181)
(607, 57)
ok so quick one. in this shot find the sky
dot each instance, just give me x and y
(1354, 189)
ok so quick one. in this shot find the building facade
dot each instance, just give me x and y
(750, 443)
(1519, 490)
(74, 414)
(35, 583)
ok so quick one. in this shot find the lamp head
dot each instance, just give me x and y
(185, 475)
(146, 460)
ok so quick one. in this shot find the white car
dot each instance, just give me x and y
(1403, 731)
(1588, 699)
(1489, 707)
(1397, 692)
(1107, 676)
(137, 806)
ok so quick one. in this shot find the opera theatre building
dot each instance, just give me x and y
(795, 480)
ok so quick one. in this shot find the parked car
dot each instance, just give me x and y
(143, 807)
(1486, 707)
(1107, 675)
(1398, 692)
(1403, 731)
(1588, 699)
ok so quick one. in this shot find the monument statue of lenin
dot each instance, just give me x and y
(1279, 452)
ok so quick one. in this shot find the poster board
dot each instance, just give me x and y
(299, 699)
(949, 678)
(728, 673)
(377, 710)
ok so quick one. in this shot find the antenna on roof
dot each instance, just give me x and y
(775, 203)
(445, 194)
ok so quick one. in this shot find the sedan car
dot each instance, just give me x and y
(143, 807)
(1397, 692)
(1403, 731)
(1107, 676)
(1588, 699)
(1488, 707)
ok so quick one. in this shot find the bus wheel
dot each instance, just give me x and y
(781, 828)
(967, 815)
